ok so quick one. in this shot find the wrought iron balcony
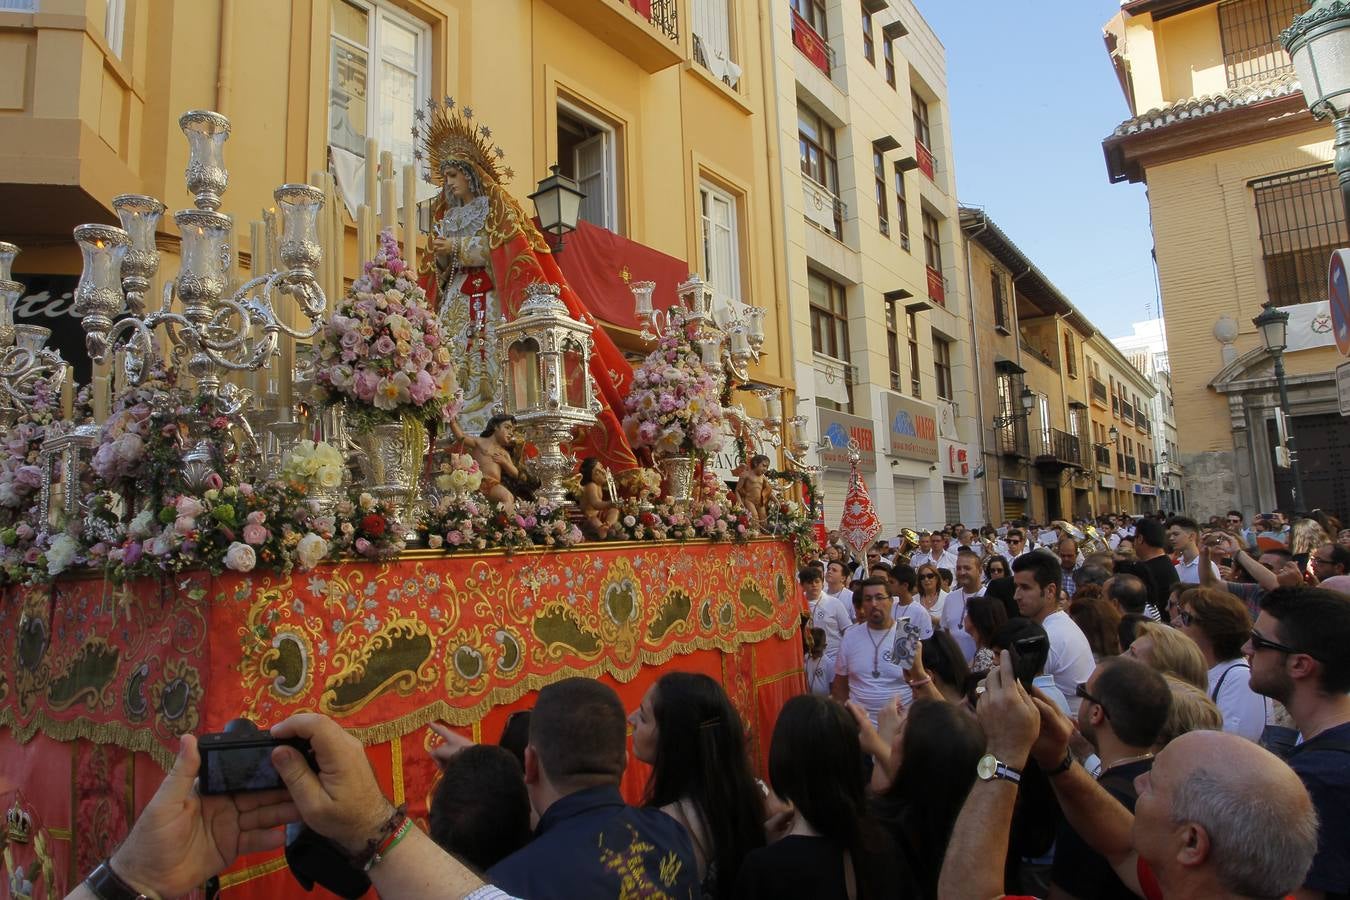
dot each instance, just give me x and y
(1011, 440)
(1131, 467)
(811, 44)
(1059, 450)
(1098, 390)
(1103, 456)
(1126, 411)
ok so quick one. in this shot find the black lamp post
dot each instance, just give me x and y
(557, 203)
(1274, 326)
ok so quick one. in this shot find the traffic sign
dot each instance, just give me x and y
(1339, 294)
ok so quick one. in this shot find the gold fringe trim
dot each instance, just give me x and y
(234, 879)
(771, 679)
(396, 768)
(137, 740)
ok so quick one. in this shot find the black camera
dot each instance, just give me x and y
(239, 759)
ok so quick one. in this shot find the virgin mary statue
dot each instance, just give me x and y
(486, 253)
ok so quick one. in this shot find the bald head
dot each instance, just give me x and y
(1219, 807)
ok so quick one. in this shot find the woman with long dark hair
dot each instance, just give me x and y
(835, 850)
(933, 764)
(692, 737)
(984, 617)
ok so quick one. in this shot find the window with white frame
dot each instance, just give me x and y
(588, 152)
(114, 20)
(721, 244)
(379, 68)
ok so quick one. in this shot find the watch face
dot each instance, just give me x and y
(986, 767)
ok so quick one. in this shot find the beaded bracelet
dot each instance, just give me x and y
(391, 826)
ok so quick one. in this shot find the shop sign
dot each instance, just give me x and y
(1146, 490)
(913, 428)
(955, 459)
(1013, 489)
(1109, 482)
(839, 428)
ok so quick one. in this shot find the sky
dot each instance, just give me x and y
(1032, 95)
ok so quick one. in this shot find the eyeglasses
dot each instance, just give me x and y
(1322, 560)
(927, 576)
(1082, 692)
(1233, 521)
(1260, 642)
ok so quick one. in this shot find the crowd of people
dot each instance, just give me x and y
(1001, 712)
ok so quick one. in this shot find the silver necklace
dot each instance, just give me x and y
(876, 650)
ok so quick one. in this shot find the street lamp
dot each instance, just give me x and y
(557, 202)
(1274, 325)
(1318, 43)
(1113, 434)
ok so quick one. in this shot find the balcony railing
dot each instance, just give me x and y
(812, 45)
(823, 208)
(925, 158)
(1055, 446)
(661, 13)
(1040, 354)
(937, 291)
(1104, 457)
(1141, 420)
(1126, 411)
(1098, 390)
(1011, 440)
(1115, 405)
(1120, 461)
(1130, 467)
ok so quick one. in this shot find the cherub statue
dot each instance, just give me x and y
(601, 514)
(754, 490)
(492, 451)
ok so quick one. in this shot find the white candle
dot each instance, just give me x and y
(410, 216)
(740, 344)
(271, 249)
(68, 394)
(388, 202)
(335, 208)
(99, 389)
(255, 260)
(362, 218)
(773, 407)
(372, 172)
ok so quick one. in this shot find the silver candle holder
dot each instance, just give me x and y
(26, 363)
(208, 329)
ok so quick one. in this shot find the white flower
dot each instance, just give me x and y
(240, 557)
(329, 476)
(311, 550)
(61, 554)
(140, 526)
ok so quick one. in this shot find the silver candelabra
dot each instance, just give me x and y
(214, 333)
(26, 363)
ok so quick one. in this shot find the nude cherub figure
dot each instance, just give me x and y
(753, 488)
(601, 514)
(492, 451)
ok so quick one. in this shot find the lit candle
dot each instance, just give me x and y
(410, 216)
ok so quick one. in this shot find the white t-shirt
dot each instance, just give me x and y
(1113, 540)
(1070, 662)
(1189, 572)
(1245, 712)
(819, 674)
(916, 613)
(953, 616)
(863, 651)
(947, 560)
(828, 613)
(845, 596)
(919, 557)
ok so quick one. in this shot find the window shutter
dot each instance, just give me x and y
(590, 160)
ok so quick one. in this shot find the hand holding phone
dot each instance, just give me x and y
(239, 759)
(906, 645)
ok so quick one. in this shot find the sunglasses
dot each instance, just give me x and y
(928, 576)
(1082, 693)
(1260, 642)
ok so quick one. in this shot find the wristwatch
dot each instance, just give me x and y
(990, 767)
(1065, 765)
(106, 884)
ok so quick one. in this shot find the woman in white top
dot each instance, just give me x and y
(1219, 624)
(930, 592)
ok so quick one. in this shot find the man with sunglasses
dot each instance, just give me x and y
(1123, 707)
(1298, 656)
(1017, 543)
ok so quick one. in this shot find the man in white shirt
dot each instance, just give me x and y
(1036, 590)
(827, 613)
(834, 583)
(871, 558)
(1183, 536)
(1108, 532)
(1017, 543)
(966, 584)
(925, 552)
(903, 582)
(944, 552)
(865, 670)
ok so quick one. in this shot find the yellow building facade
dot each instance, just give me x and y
(1046, 450)
(873, 256)
(1245, 211)
(658, 108)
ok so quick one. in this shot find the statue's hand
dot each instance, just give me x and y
(442, 245)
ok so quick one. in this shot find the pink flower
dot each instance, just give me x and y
(188, 506)
(455, 537)
(364, 385)
(184, 525)
(363, 546)
(255, 534)
(422, 389)
(255, 518)
(214, 481)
